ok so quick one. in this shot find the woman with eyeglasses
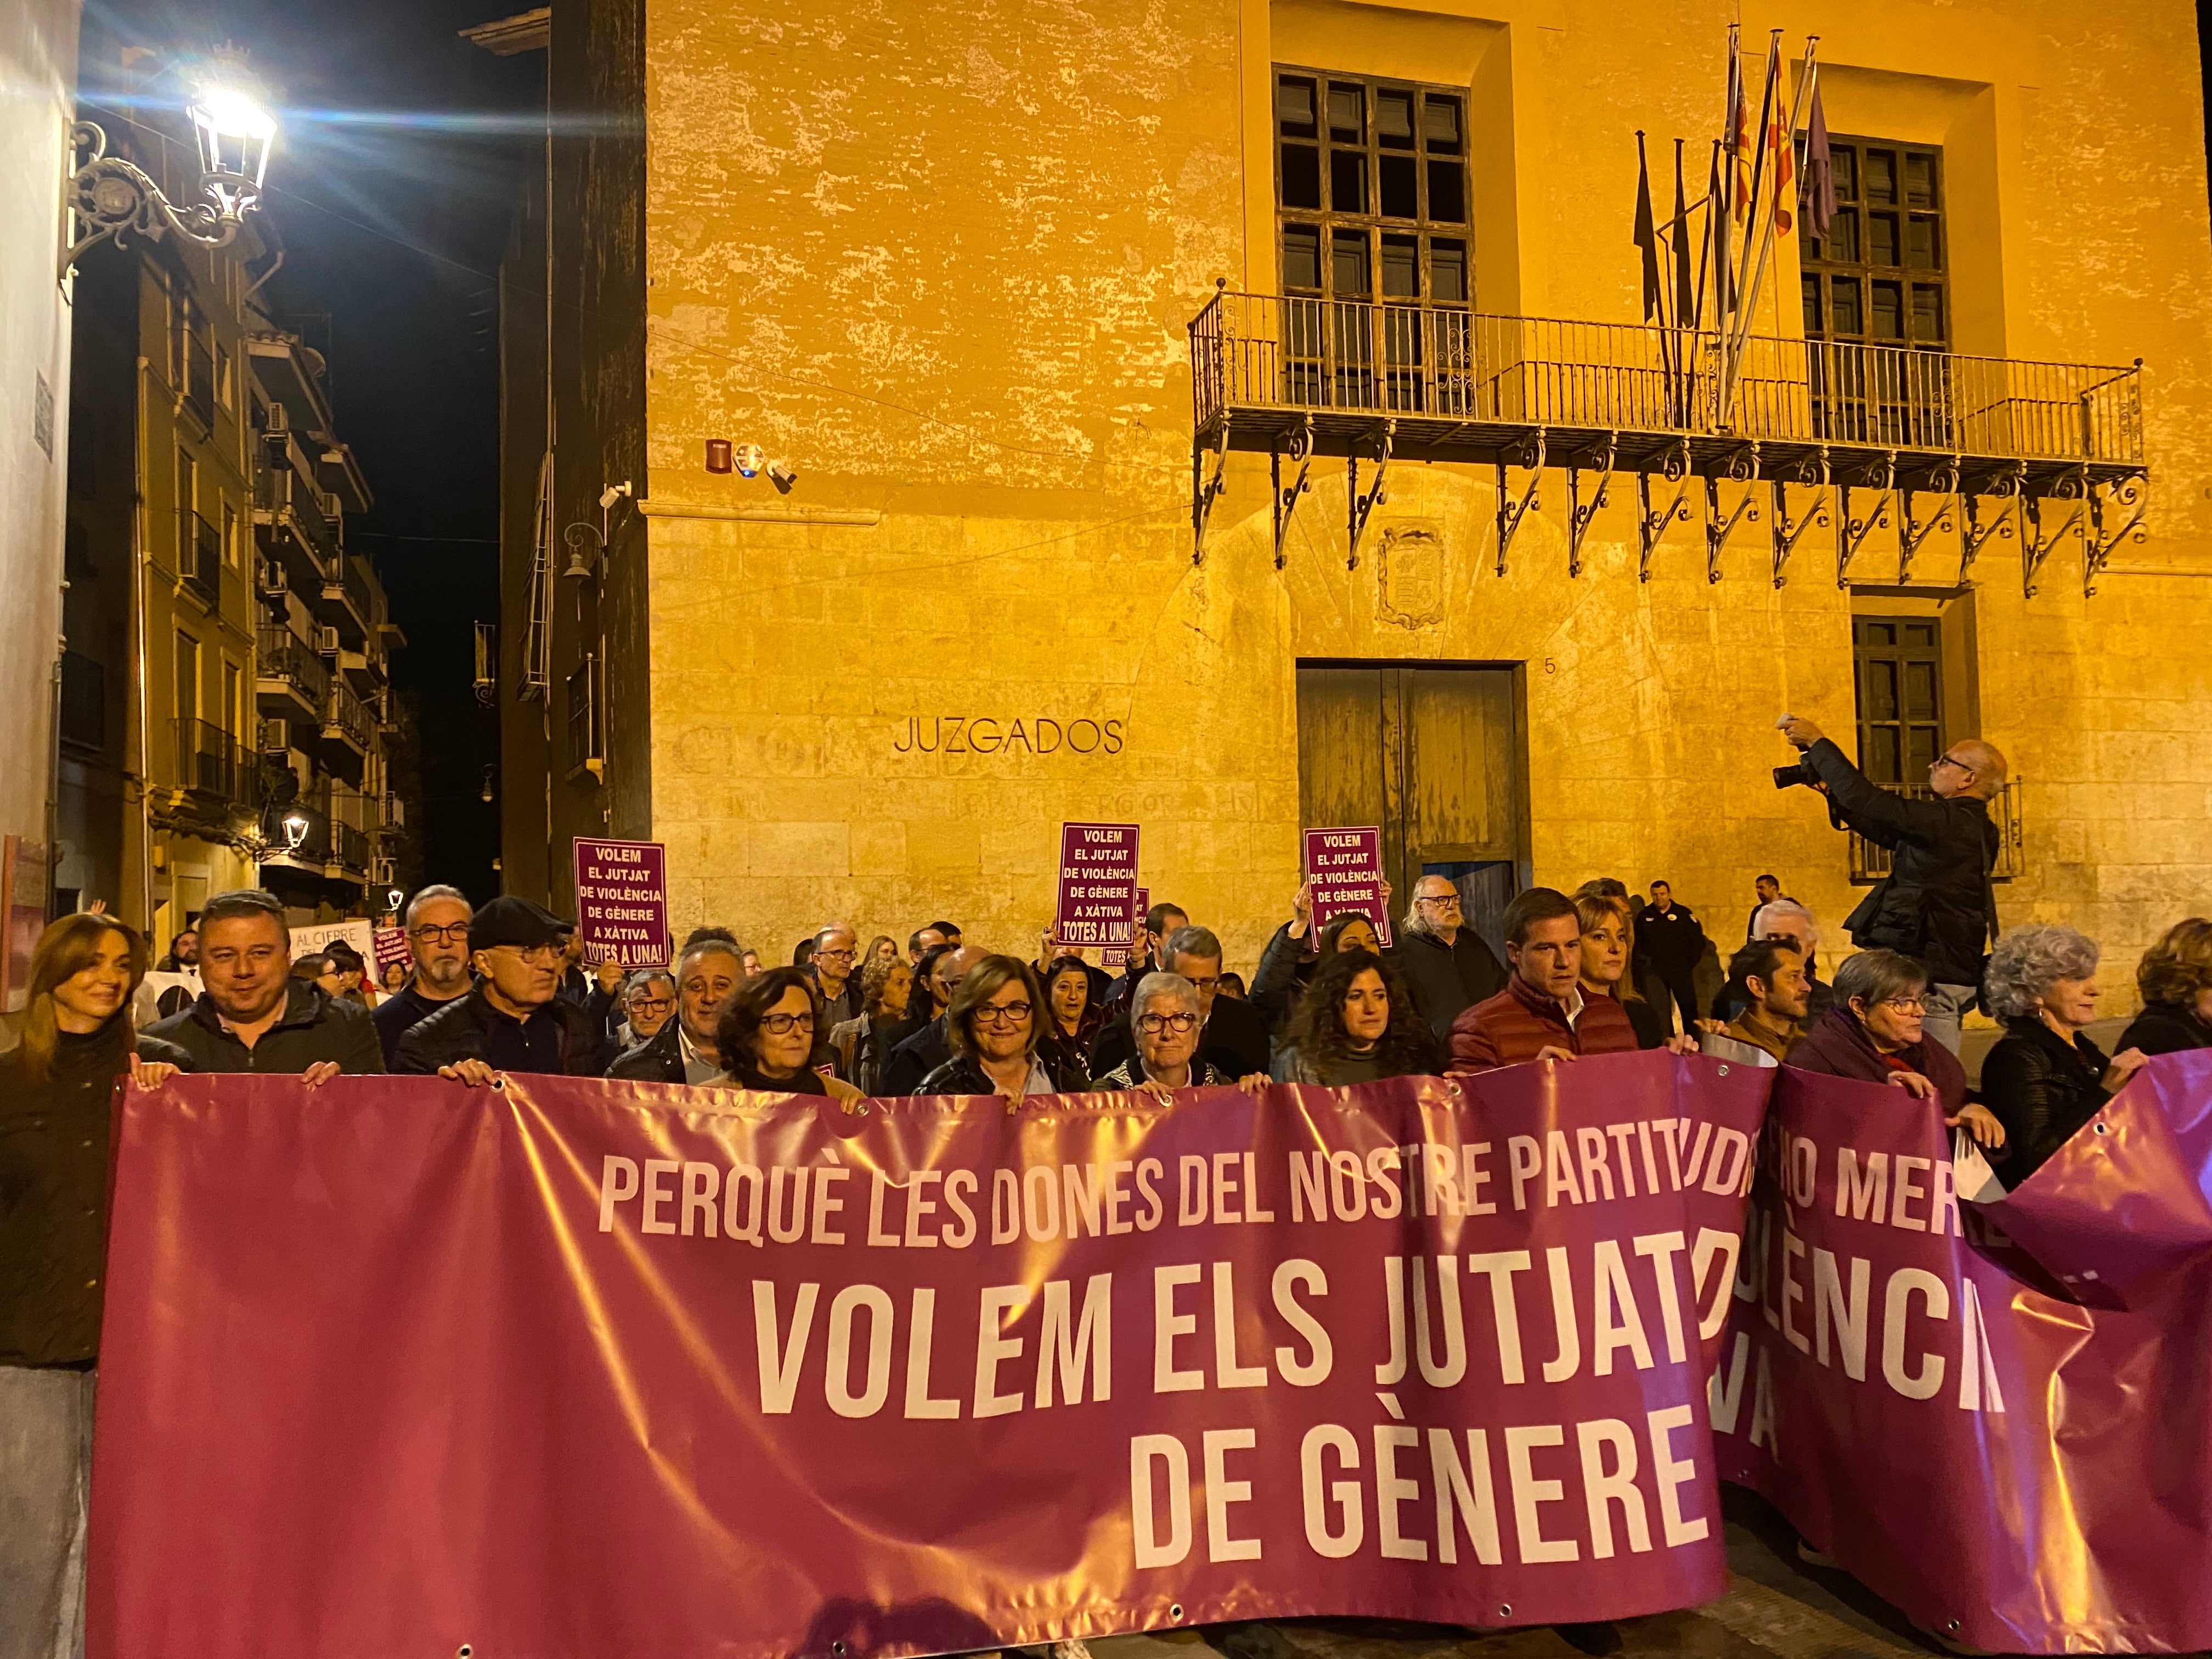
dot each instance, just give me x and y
(996, 1025)
(1357, 1024)
(2045, 1078)
(765, 1037)
(1875, 1033)
(1278, 985)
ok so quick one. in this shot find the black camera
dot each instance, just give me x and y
(1787, 777)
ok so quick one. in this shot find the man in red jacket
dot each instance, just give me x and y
(1541, 1014)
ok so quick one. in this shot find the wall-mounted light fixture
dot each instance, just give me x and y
(583, 536)
(296, 832)
(108, 196)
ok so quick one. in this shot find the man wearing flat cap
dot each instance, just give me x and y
(514, 1020)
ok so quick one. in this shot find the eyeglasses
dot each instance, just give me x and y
(1447, 899)
(785, 1024)
(1203, 986)
(454, 933)
(539, 956)
(1008, 1013)
(1905, 1004)
(834, 956)
(650, 1004)
(1945, 760)
(1155, 1023)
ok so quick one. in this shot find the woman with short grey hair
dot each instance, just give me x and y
(2045, 1078)
(1875, 1033)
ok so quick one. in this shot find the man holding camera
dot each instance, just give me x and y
(1935, 905)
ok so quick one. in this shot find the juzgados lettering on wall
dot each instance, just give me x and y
(990, 734)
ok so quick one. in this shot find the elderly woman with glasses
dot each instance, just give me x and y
(2045, 1078)
(1165, 1017)
(996, 1025)
(1875, 1033)
(764, 1037)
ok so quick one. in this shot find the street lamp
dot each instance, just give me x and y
(108, 196)
(296, 831)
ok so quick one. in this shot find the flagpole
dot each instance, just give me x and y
(1725, 207)
(1766, 237)
(1739, 333)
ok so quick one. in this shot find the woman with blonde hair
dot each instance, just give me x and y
(1608, 948)
(55, 1086)
(2175, 979)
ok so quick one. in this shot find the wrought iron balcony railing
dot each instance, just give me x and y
(283, 656)
(199, 557)
(1871, 863)
(1447, 378)
(211, 761)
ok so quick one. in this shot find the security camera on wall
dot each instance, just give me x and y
(783, 475)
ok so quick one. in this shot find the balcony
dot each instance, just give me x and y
(291, 681)
(348, 853)
(211, 763)
(346, 603)
(199, 558)
(348, 730)
(1293, 377)
(390, 813)
(1871, 864)
(84, 703)
(198, 392)
(297, 519)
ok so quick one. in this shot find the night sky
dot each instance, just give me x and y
(400, 163)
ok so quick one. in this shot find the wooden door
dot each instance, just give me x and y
(1430, 756)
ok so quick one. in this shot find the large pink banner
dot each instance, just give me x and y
(1922, 1387)
(588, 1368)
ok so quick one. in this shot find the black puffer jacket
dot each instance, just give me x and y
(962, 1076)
(314, 1027)
(457, 1032)
(1934, 904)
(658, 1059)
(2042, 1089)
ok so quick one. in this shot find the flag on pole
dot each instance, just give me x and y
(1723, 286)
(1784, 144)
(1647, 237)
(1738, 141)
(1820, 170)
(1678, 241)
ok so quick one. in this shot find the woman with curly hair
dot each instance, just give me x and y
(1356, 1024)
(2045, 1078)
(2175, 978)
(861, 1044)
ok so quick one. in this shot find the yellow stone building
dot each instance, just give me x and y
(944, 261)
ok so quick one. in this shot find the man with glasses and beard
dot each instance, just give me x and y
(1444, 963)
(437, 927)
(515, 1020)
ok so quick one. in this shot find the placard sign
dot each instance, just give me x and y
(622, 901)
(1097, 883)
(1117, 955)
(1344, 867)
(357, 933)
(391, 947)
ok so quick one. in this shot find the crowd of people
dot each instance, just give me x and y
(504, 989)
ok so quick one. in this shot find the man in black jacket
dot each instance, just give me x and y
(437, 924)
(1935, 905)
(1233, 1035)
(1144, 956)
(253, 1015)
(1673, 940)
(1444, 963)
(684, 1049)
(515, 1020)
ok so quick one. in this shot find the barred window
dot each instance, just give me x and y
(1372, 188)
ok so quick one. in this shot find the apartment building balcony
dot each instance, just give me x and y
(351, 814)
(348, 732)
(291, 681)
(197, 394)
(199, 558)
(296, 520)
(1295, 378)
(211, 764)
(344, 602)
